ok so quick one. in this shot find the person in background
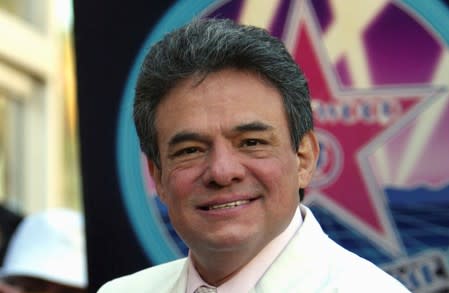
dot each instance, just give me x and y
(46, 254)
(9, 221)
(223, 115)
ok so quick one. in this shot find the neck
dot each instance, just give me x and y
(217, 268)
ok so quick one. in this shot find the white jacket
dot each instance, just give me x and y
(311, 262)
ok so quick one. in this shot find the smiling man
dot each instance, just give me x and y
(223, 114)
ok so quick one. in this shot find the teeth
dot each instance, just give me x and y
(229, 205)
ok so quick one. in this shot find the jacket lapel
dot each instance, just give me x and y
(300, 267)
(180, 284)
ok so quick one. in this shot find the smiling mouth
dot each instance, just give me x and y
(227, 205)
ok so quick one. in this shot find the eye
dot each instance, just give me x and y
(252, 142)
(186, 151)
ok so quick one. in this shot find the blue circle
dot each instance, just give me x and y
(142, 211)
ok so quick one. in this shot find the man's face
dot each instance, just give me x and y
(228, 175)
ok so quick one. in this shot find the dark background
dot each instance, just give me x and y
(108, 36)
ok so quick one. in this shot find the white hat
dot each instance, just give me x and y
(49, 245)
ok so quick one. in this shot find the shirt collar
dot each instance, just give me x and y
(248, 277)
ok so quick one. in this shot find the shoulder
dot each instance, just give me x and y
(161, 276)
(354, 274)
(342, 268)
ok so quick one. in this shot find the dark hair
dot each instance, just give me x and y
(209, 45)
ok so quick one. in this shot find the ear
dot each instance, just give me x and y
(156, 175)
(308, 151)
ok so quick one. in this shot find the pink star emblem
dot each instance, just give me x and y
(351, 124)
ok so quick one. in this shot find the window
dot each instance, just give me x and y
(33, 136)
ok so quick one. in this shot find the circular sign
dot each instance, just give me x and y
(147, 215)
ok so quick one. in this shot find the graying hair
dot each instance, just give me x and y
(209, 45)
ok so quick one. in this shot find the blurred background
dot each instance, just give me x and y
(41, 209)
(39, 161)
(67, 139)
(39, 154)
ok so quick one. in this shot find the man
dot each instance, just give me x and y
(46, 254)
(223, 114)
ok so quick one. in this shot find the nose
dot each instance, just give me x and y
(224, 166)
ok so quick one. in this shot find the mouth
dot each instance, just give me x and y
(227, 205)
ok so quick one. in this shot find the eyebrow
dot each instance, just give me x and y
(252, 126)
(186, 136)
(193, 136)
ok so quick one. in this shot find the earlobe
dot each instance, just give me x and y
(156, 175)
(308, 151)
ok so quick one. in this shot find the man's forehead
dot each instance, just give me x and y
(228, 100)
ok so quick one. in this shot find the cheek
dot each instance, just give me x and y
(179, 183)
(275, 173)
(279, 177)
(269, 173)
